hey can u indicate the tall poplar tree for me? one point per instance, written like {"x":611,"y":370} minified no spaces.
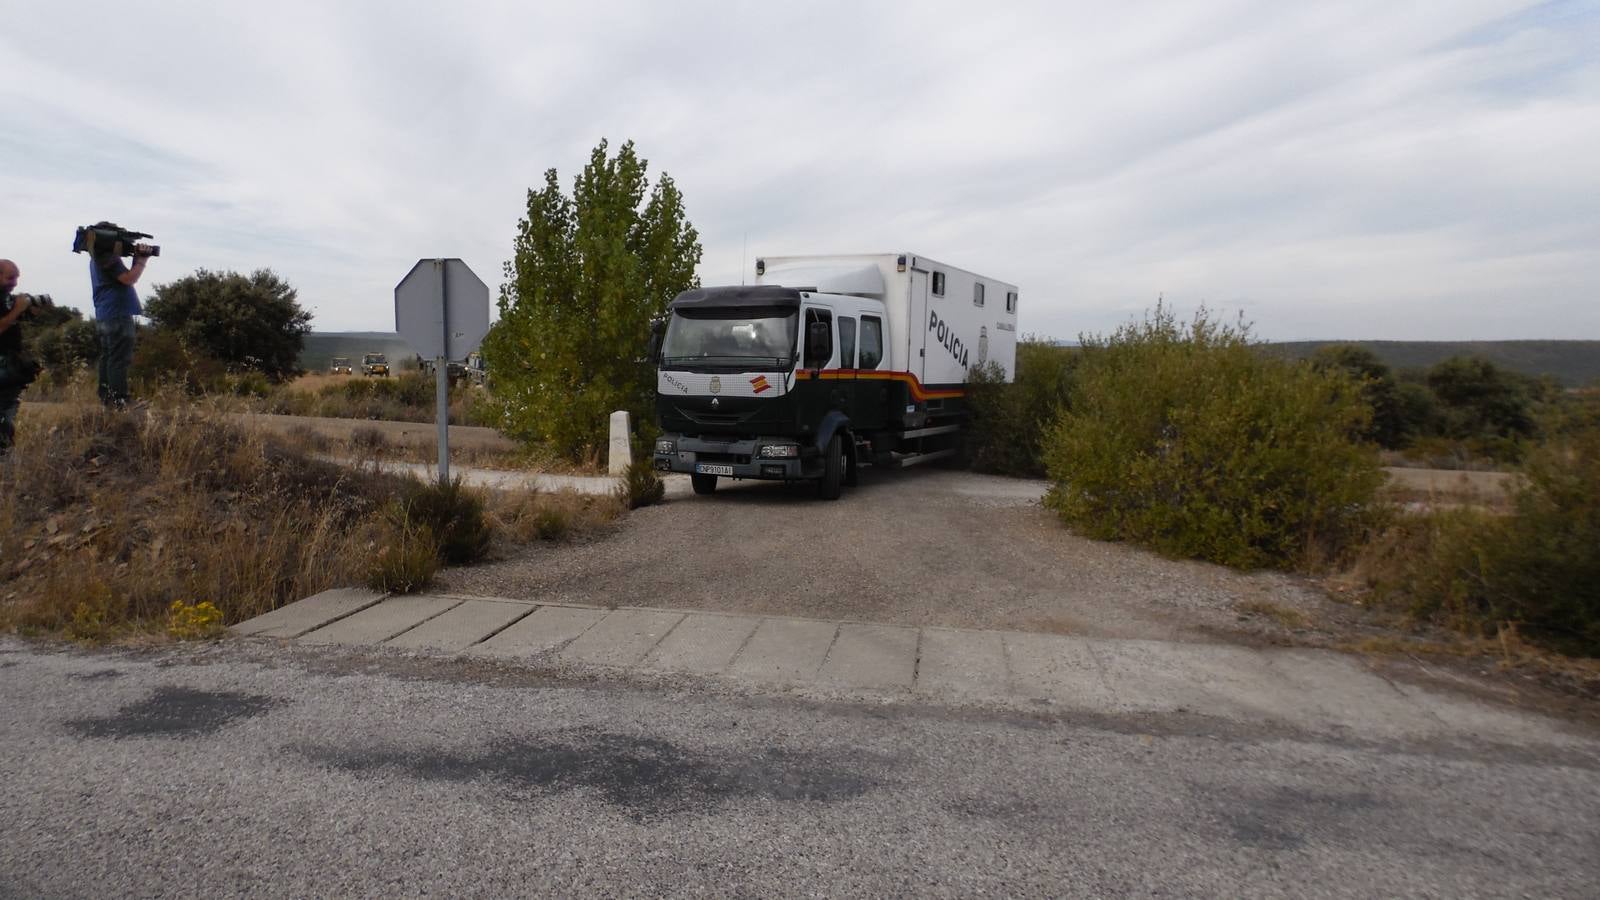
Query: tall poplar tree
{"x":590,"y":271}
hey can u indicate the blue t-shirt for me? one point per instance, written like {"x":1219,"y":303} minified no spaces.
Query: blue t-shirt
{"x":112,"y":298}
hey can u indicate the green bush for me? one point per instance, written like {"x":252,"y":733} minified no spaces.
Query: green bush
{"x":1186,"y":439}
{"x":1008,"y":420}
{"x":160,"y":357}
{"x":454,"y":515}
{"x":641,"y":486}
{"x":1535,"y":570}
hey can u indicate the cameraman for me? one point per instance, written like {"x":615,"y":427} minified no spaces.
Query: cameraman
{"x":115,"y":305}
{"x":16,"y":370}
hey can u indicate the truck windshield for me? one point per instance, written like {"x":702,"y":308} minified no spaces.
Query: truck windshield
{"x":730,"y":340}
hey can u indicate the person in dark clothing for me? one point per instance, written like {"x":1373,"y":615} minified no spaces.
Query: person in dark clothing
{"x":115,"y":305}
{"x":15,"y":370}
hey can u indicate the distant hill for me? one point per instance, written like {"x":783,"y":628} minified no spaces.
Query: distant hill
{"x":1573,"y":363}
{"x":322,"y":346}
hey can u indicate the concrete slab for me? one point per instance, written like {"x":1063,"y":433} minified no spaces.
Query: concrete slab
{"x":303,"y":616}
{"x":463,"y":626}
{"x":871,"y":657}
{"x":1056,"y":669}
{"x":1340,"y":692}
{"x":376,"y":624}
{"x":1154,"y":676}
{"x":546,"y":628}
{"x":622,"y":638}
{"x":968,"y":664}
{"x":702,"y":643}
{"x":784,"y":650}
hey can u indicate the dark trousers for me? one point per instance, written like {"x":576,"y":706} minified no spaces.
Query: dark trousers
{"x":10,"y":400}
{"x":116,"y":355}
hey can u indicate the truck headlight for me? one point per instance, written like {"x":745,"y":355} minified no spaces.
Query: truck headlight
{"x":779,"y":451}
{"x":664,"y":447}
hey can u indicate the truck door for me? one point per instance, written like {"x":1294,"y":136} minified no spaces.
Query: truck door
{"x":848,"y":388}
{"x":871,"y":410}
{"x":917,"y":328}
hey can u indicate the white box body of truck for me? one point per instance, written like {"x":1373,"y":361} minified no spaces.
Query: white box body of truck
{"x":944,"y":321}
{"x":825,"y":363}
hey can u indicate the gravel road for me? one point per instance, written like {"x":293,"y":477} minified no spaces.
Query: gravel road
{"x":910,"y":547}
{"x":264,"y":770}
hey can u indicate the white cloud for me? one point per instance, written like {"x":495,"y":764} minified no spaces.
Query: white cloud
{"x":1335,"y":170}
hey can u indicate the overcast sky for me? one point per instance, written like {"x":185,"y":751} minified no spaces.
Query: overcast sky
{"x":1334,"y":170}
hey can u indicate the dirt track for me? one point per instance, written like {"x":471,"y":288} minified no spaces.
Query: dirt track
{"x":914,"y":547}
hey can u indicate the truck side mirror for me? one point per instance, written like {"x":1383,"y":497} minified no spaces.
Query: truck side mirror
{"x":819,"y":344}
{"x":658,"y":327}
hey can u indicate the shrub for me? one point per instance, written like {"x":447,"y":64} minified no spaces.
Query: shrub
{"x":640,"y":486}
{"x":453,"y":514}
{"x":369,"y":442}
{"x":192,"y":622}
{"x":529,"y":515}
{"x":1008,"y":420}
{"x":1535,"y":571}
{"x":248,"y":384}
{"x":160,"y":357}
{"x":407,"y":558}
{"x":1186,"y":439}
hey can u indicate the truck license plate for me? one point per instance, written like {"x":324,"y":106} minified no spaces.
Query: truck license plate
{"x":708,"y":469}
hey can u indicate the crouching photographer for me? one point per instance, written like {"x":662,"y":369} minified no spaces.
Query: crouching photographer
{"x":115,"y":300}
{"x":17,"y":368}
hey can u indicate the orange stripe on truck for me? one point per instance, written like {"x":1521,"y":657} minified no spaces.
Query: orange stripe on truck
{"x":918,"y":392}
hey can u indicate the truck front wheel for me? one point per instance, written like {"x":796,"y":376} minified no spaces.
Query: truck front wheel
{"x":833,"y":465}
{"x":703,"y":484}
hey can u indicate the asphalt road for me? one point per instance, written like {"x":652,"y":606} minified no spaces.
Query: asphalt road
{"x":265,"y":770}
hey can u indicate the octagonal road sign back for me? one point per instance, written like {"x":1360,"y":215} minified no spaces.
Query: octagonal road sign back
{"x":442,"y":309}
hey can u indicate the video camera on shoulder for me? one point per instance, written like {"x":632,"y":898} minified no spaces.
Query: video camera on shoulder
{"x":109,"y":239}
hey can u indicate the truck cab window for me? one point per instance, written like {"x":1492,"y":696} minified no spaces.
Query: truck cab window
{"x":818,"y":356}
{"x":871,"y":342}
{"x":847,"y":343}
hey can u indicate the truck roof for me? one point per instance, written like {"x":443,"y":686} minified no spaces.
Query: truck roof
{"x":755,"y":296}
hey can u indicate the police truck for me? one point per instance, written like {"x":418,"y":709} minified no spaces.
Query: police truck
{"x":825,"y":364}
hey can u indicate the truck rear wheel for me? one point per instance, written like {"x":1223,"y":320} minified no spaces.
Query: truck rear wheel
{"x":833,"y":465}
{"x":703,"y":484}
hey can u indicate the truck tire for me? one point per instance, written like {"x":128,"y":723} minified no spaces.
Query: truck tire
{"x":703,"y":484}
{"x":833,"y":464}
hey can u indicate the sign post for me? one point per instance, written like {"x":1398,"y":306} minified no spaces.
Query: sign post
{"x":442,"y":310}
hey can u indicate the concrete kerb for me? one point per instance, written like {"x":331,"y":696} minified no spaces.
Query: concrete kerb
{"x":1316,"y":690}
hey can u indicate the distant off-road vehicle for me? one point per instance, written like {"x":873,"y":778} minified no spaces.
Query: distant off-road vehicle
{"x":340,"y":366}
{"x":375,"y":364}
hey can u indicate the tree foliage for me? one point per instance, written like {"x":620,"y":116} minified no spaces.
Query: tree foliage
{"x":589,"y":273}
{"x":59,"y":337}
{"x":1389,"y":428}
{"x":246,"y":322}
{"x":1482,"y":398}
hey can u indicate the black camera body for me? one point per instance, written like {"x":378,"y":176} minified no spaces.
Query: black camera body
{"x":37,"y":303}
{"x":110,"y":239}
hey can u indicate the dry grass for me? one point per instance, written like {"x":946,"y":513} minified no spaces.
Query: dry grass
{"x":1288,"y":617}
{"x":106,"y":519}
{"x":1445,"y":489}
{"x":1505,"y":651}
{"x":528,"y":515}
